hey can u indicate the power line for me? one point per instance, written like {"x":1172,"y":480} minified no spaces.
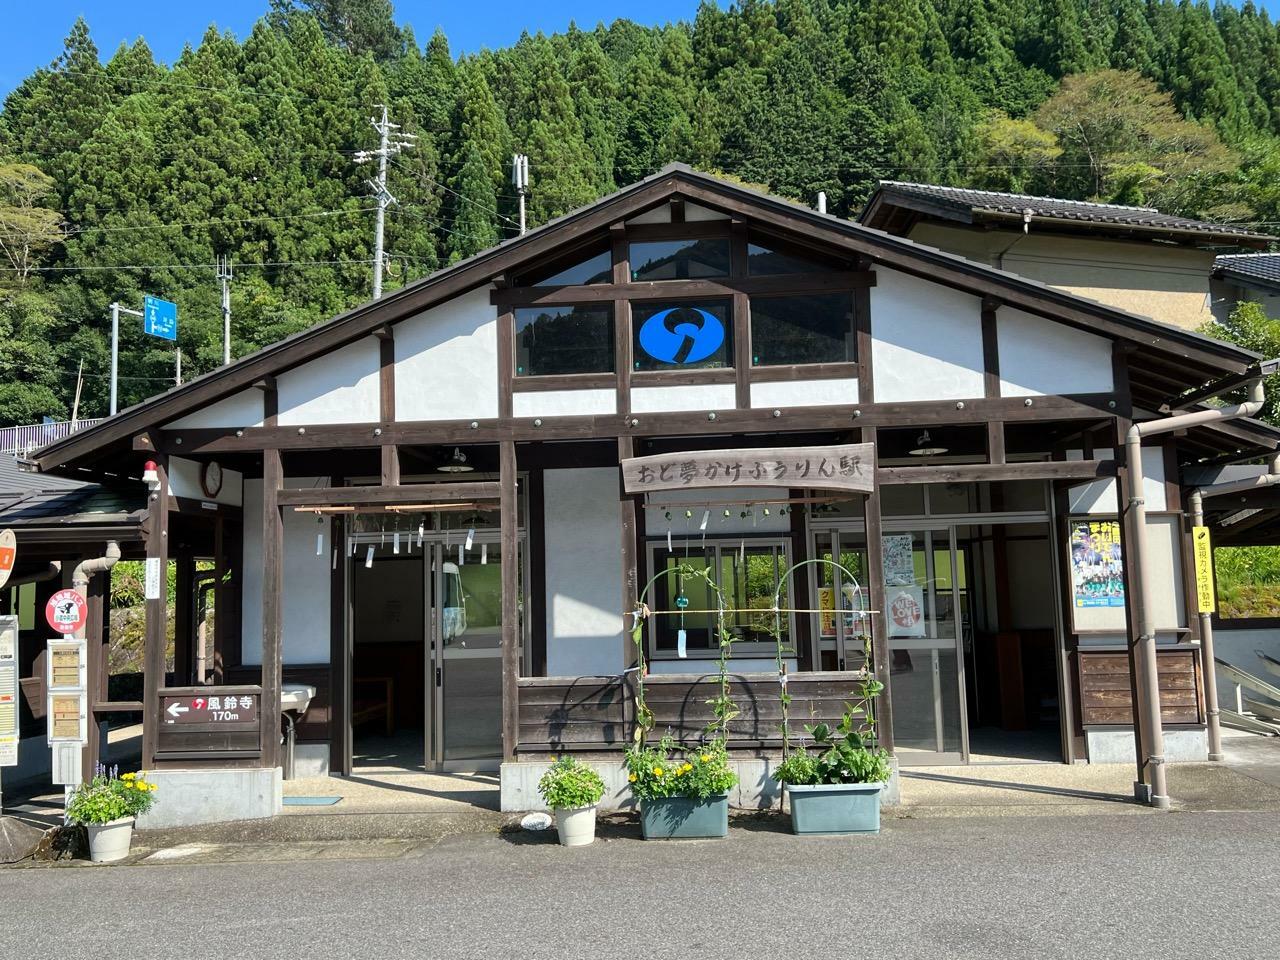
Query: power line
{"x":491,"y":210}
{"x":389,"y":143}
{"x":80,"y":231}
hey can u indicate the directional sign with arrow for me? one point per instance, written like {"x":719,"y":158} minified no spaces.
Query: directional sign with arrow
{"x":210,"y":709}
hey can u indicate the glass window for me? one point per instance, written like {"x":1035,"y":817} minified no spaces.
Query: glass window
{"x":747,"y":574}
{"x":680,"y":259}
{"x":562,"y":340}
{"x":577,"y":268}
{"x":812,"y":328}
{"x":685,"y":335}
{"x":765,"y":261}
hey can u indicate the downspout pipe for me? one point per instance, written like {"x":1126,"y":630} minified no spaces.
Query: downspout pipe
{"x":85,"y":569}
{"x":53,"y":570}
{"x":1156,"y":781}
{"x":1208,"y":667}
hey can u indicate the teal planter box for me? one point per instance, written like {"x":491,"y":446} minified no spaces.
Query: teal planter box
{"x":835,"y":808}
{"x":682,"y":818}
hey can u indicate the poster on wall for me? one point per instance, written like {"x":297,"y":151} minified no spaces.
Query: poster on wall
{"x":905,"y":608}
{"x":1097,"y":564}
{"x":899,"y":560}
{"x":855,"y":620}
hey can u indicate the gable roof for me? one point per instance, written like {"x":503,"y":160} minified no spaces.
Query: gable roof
{"x":1251,"y":269}
{"x":1192,"y":358}
{"x":37,"y":500}
{"x":988,"y":206}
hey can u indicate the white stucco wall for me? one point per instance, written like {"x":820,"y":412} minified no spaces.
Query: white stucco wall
{"x":926,"y":340}
{"x":1039,"y":357}
{"x":1099,"y":496}
{"x":583,"y":571}
{"x":337,"y":387}
{"x":184,"y":481}
{"x":709,"y":396}
{"x":447,"y":361}
{"x":564,"y":403}
{"x":243,"y":409}
{"x":306,"y":582}
{"x":804,"y":393}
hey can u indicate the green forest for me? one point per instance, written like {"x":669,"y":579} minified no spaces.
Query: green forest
{"x":121,"y":176}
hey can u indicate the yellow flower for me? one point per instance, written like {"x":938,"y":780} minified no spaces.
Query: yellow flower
{"x":127,"y":776}
{"x":706,"y":758}
{"x":632,"y":778}
{"x":152,"y":787}
{"x":657,"y":771}
{"x":688,"y":767}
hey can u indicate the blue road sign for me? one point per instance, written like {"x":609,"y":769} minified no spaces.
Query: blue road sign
{"x":160,"y":318}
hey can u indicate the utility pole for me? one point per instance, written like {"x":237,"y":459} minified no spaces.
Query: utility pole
{"x":389,"y":144}
{"x":224,"y":277}
{"x":75,"y":406}
{"x":520,"y":180}
{"x":116,"y":310}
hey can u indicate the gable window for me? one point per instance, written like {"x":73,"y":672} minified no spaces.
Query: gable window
{"x":577,"y":269}
{"x":554,"y":341}
{"x":764,"y":261}
{"x":690,"y":335}
{"x":680,"y":259}
{"x":747,"y":573}
{"x":802,"y":328}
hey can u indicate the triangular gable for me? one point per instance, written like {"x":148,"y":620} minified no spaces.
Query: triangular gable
{"x":1194,"y":357}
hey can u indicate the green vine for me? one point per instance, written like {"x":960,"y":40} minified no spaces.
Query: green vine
{"x":723,"y":707}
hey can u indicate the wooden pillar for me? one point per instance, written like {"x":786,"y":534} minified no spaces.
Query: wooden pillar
{"x":805,"y":641}
{"x":183,"y":620}
{"x":157,"y":607}
{"x":741,"y":317}
{"x":272,"y":608}
{"x":510,"y":597}
{"x":387,"y":403}
{"x":876,"y":594}
{"x":630,"y":566}
{"x":221,"y":600}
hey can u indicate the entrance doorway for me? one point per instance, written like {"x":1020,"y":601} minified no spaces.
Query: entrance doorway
{"x":972,"y":610}
{"x":426,"y":653}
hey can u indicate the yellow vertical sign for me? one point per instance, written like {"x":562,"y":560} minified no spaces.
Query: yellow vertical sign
{"x":1204,"y":569}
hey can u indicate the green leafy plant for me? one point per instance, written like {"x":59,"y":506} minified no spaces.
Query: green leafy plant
{"x":107,"y":797}
{"x":843,"y":755}
{"x":570,"y":785}
{"x":667,"y":770}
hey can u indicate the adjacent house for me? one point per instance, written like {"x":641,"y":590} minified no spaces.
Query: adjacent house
{"x":1133,"y":258}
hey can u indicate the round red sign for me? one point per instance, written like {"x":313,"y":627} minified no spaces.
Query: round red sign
{"x":65,"y":611}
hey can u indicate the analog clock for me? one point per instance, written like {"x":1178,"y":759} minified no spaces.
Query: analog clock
{"x":211,"y":478}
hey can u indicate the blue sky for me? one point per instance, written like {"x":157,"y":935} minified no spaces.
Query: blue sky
{"x":34,"y":29}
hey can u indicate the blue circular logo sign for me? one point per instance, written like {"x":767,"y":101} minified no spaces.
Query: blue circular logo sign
{"x":681,"y":335}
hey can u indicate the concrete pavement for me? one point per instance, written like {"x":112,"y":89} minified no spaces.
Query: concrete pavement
{"x":1201,"y":885}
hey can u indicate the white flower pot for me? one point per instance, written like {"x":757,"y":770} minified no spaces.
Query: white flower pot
{"x":110,"y":841}
{"x":577,"y":826}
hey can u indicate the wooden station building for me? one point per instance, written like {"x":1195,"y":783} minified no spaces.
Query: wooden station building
{"x":417,"y":507}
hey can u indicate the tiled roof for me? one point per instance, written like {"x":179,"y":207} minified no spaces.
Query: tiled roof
{"x":1258,"y":268}
{"x":31,"y":499}
{"x":971,"y":202}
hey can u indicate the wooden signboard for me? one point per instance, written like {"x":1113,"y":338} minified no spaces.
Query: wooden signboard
{"x":848,"y":467}
{"x":213,"y":708}
{"x":8,"y":691}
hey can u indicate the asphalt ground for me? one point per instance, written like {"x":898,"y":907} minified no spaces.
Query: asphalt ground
{"x":1166,"y":885}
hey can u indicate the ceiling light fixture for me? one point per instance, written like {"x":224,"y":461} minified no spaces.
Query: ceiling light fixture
{"x":925,"y":447}
{"x":457,"y":463}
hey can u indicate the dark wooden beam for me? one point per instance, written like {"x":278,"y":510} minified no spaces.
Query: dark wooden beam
{"x":376,"y":496}
{"x":272,"y":606}
{"x":387,"y":401}
{"x":832,"y":281}
{"x":157,"y":611}
{"x":984,"y":472}
{"x":622,"y":340}
{"x":609,"y":426}
{"x":862,"y":330}
{"x":510,"y":600}
{"x":630,"y":550}
{"x":741,"y":315}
